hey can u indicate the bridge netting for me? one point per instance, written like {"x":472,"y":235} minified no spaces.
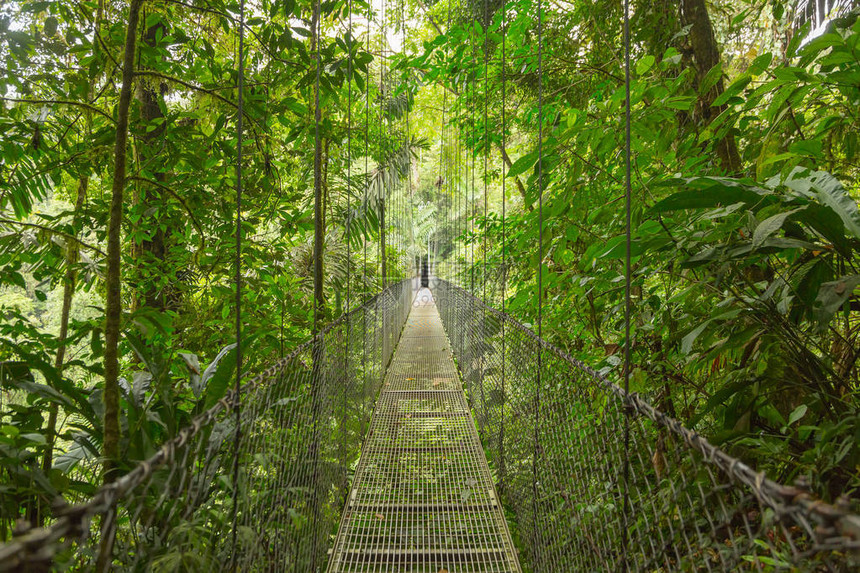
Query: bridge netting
{"x":590,"y":478}
{"x":600,"y":480}
{"x":302,"y":423}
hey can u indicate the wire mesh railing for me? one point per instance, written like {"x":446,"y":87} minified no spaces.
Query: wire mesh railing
{"x":302,"y":422}
{"x":554,"y":430}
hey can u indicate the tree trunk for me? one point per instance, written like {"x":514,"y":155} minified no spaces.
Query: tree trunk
{"x":516,"y":179}
{"x":319,"y":209}
{"x":113,"y":305}
{"x":149,"y":94}
{"x":70,"y":276}
{"x":694,"y":13}
{"x":69,"y":280}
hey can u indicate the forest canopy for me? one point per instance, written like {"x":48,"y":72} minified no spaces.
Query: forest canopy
{"x":118,"y":207}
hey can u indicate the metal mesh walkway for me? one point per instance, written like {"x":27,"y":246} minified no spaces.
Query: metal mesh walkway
{"x":423,"y":499}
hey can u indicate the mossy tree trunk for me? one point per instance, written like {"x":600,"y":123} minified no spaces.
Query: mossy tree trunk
{"x":706,"y":52}
{"x":113,"y":280}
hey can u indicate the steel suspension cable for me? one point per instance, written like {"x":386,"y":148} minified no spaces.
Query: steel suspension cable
{"x":402,"y":216}
{"x":348,"y":337}
{"x":627,"y":280}
{"x":407,"y":200}
{"x":458,"y":206}
{"x":462,"y":166}
{"x":472,"y":169}
{"x":365,"y":214}
{"x":383,"y":183}
{"x":441,"y":183}
{"x":399,"y":199}
{"x":463,"y":196}
{"x":349,"y":154}
{"x":397,"y":205}
{"x":448,"y":194}
{"x":318,"y":274}
{"x":367,"y":149}
{"x":486,"y":28}
{"x":504,"y":242}
{"x":237,"y":436}
{"x":539,"y":269}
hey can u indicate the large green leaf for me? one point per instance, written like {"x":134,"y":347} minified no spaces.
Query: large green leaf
{"x":831,"y":296}
{"x":829,"y":191}
{"x":709,"y":192}
{"x":690,"y":337}
{"x":737,"y":86}
{"x":14,"y":371}
{"x":218,"y":380}
{"x":827,"y":224}
{"x":522,"y":164}
{"x":770,"y":226}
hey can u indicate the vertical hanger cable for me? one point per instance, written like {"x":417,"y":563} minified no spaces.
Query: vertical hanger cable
{"x":627,"y":280}
{"x":472,"y":130}
{"x":441,"y":182}
{"x":237,"y":396}
{"x":539,"y":274}
{"x":486,"y":133}
{"x":504,"y":268}
{"x":349,"y":156}
{"x":316,"y":382}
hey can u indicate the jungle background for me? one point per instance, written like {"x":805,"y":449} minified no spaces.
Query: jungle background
{"x":116,"y":293}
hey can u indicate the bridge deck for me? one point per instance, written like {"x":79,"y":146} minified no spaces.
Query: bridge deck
{"x":423,"y":499}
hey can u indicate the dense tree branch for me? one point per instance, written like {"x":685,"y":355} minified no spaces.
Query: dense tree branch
{"x":66,"y":236}
{"x":234,"y":21}
{"x":176,"y":196}
{"x":59,"y":102}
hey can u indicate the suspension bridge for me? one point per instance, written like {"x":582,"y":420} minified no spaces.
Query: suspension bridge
{"x":426,"y":431}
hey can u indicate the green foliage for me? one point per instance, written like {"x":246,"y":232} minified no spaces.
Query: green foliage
{"x":746,"y":289}
{"x":745,"y":286}
{"x":59,"y":89}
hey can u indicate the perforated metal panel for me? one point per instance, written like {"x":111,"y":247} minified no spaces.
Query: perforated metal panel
{"x":423,"y":499}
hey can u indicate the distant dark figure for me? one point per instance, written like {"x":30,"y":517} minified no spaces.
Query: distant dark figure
{"x":425,"y":274}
